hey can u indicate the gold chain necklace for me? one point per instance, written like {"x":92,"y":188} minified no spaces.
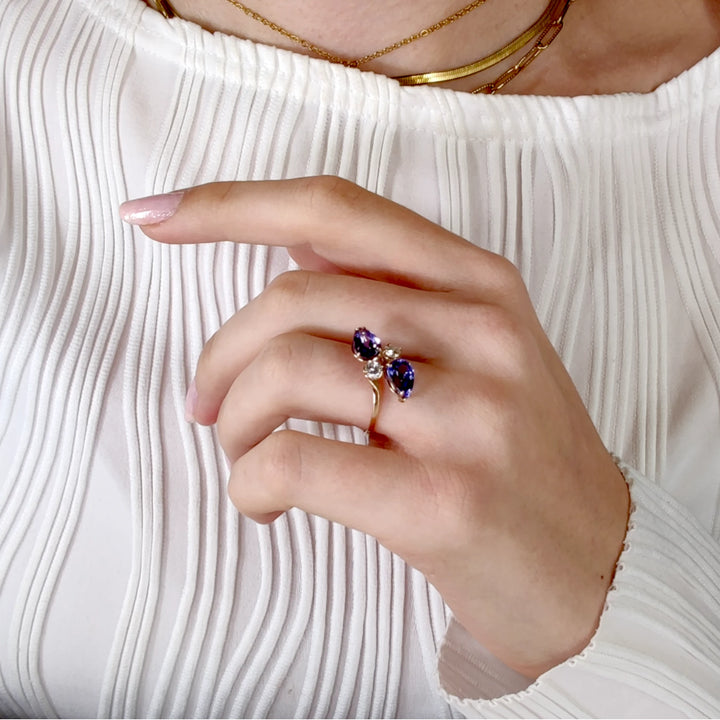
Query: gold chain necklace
{"x":543,"y":42}
{"x":357,"y":62}
{"x":166,"y":8}
{"x":546,"y":28}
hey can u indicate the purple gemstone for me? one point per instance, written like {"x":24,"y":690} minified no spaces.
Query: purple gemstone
{"x":401,"y":378}
{"x":365,"y":345}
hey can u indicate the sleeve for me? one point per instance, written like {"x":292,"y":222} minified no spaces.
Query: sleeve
{"x":656,"y":651}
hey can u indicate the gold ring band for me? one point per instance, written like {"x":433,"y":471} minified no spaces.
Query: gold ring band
{"x":375,"y":385}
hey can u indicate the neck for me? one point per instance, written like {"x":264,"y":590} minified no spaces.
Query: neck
{"x":608,"y":46}
{"x":355,"y":28}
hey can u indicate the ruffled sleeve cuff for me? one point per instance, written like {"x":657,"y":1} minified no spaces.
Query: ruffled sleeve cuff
{"x":656,"y":652}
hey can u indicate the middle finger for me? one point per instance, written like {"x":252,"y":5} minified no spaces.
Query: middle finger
{"x":329,"y":306}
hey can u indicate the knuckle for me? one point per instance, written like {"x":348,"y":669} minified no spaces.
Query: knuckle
{"x":502,"y":324}
{"x":503,"y":345}
{"x":329,"y":194}
{"x":278,"y":359}
{"x":506,"y":273}
{"x":501,"y":278}
{"x":281,"y":466}
{"x":507,"y":334}
{"x":262,"y":480}
{"x":287,"y":290}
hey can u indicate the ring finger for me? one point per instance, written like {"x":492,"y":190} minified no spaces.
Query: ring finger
{"x":325,"y":305}
{"x":300,"y":376}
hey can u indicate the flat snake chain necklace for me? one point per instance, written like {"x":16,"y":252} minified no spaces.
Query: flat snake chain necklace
{"x":543,"y":31}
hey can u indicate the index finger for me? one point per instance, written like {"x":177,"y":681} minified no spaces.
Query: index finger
{"x":350,"y":227}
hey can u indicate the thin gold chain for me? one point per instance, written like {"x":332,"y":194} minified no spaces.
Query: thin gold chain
{"x":357,"y":62}
{"x":543,"y":42}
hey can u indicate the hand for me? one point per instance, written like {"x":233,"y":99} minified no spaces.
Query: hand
{"x":491,"y":479}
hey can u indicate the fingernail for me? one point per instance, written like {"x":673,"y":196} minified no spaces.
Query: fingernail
{"x":191,"y":402}
{"x":151,"y":210}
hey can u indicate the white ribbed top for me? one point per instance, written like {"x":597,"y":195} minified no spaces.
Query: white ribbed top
{"x":128,"y":584}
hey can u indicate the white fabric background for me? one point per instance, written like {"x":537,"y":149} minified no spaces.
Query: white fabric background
{"x":128,"y":585}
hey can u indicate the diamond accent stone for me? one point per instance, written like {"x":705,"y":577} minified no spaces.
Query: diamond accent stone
{"x":365,"y":345}
{"x":373,"y":369}
{"x":400,"y":377}
{"x":390,"y":353}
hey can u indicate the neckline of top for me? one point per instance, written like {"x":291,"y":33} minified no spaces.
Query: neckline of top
{"x":301,"y":75}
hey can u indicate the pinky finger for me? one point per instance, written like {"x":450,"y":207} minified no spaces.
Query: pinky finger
{"x":363,"y":487}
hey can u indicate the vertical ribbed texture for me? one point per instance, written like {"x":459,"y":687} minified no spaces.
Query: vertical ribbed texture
{"x":696,"y":220}
{"x":74,"y":314}
{"x":293,"y":596}
{"x":609,"y":207}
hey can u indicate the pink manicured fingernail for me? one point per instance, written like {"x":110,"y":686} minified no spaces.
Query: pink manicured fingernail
{"x":151,"y":210}
{"x":191,"y":402}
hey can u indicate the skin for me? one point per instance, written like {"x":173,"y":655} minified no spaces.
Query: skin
{"x":607,"y":46}
{"x":491,"y":479}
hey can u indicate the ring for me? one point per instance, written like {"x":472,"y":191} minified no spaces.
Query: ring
{"x":382,"y":360}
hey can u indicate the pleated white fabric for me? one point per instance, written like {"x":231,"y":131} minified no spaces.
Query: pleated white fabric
{"x":128,"y":584}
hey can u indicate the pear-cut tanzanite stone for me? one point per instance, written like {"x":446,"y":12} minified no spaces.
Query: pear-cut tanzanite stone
{"x":365,"y":345}
{"x":401,"y":378}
